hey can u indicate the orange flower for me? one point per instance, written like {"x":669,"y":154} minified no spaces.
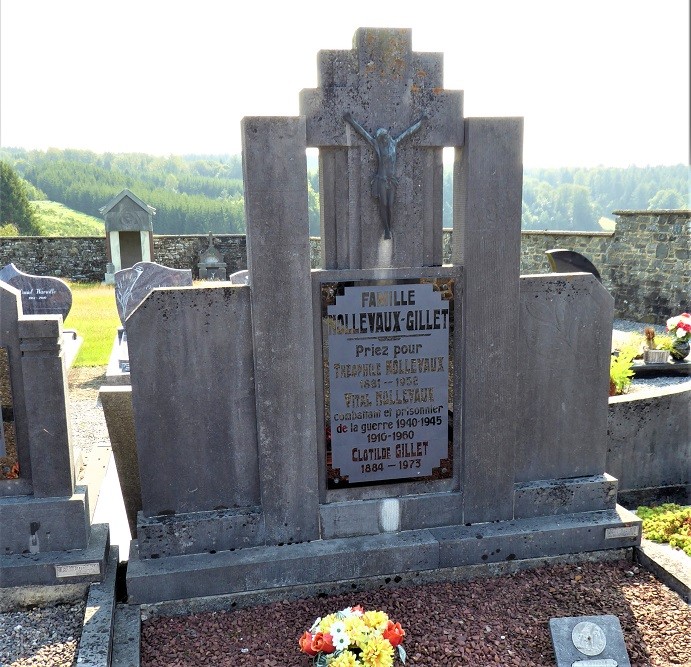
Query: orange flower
{"x":323,"y":643}
{"x":306,"y":645}
{"x":394,"y":633}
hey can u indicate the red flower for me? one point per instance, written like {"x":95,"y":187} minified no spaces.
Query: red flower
{"x":306,"y":644}
{"x":394,"y":633}
{"x":323,"y":643}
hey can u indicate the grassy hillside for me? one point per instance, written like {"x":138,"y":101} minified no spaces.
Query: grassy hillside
{"x":54,"y":219}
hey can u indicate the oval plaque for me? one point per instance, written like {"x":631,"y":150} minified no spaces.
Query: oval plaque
{"x":588,"y":638}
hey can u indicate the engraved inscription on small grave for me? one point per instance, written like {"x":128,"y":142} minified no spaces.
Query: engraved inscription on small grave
{"x":9,"y":463}
{"x":387,"y":376}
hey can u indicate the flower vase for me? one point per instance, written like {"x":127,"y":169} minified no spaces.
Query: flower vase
{"x":680,"y":350}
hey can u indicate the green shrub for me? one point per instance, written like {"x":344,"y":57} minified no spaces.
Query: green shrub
{"x":620,"y":366}
{"x":667,"y":523}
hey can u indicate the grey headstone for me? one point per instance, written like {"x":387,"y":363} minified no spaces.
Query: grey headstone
{"x":41,"y":295}
{"x":588,"y":641}
{"x":133,"y":284}
{"x":564,"y":344}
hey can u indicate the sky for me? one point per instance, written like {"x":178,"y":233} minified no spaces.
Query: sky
{"x":599,"y":82}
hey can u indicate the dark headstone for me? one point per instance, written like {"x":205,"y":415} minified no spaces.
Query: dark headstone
{"x":41,"y":295}
{"x":588,"y":641}
{"x":568,"y":261}
{"x":133,"y":284}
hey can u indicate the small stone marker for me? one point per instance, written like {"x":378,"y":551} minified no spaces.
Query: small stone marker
{"x":211,"y":265}
{"x":588,"y":641}
{"x":134,"y":284}
{"x":41,"y":295}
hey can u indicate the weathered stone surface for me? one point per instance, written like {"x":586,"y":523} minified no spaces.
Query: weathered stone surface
{"x":284,"y":372}
{"x":649,"y":444}
{"x":564,"y":345}
{"x":194,"y":399}
{"x":41,"y":295}
{"x":488,"y":176}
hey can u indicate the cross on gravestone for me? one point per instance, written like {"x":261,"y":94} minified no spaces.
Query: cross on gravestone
{"x":387,"y":87}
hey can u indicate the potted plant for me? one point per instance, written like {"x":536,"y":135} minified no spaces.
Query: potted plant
{"x":651,"y":354}
{"x":680,"y":328}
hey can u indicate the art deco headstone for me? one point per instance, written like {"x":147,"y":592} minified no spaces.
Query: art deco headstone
{"x":41,"y":295}
{"x":588,"y":641}
{"x":132,"y":285}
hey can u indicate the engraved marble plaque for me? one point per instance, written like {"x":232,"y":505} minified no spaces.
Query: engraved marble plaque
{"x":623,"y":531}
{"x":589,"y":641}
{"x":386,"y":353}
{"x":77,"y":570}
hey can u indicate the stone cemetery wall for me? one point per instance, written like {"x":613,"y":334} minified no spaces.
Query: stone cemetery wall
{"x":644,"y":263}
{"x":76,"y":258}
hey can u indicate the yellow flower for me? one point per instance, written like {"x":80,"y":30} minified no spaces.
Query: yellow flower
{"x":344,"y":659}
{"x":354,"y":625}
{"x":326,"y":622}
{"x":376,"y":619}
{"x":377,"y":653}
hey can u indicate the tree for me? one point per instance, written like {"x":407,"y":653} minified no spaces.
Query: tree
{"x":666,"y":199}
{"x":15,"y":208}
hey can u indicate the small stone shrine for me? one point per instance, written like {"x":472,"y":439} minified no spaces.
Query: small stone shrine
{"x":46,"y":536}
{"x":386,"y":414}
{"x":211,"y":265}
{"x":129,"y":232}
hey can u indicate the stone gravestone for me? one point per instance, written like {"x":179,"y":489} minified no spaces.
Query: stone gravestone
{"x":41,"y":295}
{"x":133,"y":284}
{"x":46,"y":537}
{"x":323,"y":438}
{"x":588,"y":641}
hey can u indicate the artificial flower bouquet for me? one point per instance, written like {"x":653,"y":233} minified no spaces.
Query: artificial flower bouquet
{"x":680,"y":327}
{"x":354,"y":637}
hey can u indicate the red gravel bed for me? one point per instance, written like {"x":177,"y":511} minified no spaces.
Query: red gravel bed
{"x":497,"y":621}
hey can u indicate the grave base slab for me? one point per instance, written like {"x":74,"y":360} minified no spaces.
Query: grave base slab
{"x":77,"y":566}
{"x":322,"y":561}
